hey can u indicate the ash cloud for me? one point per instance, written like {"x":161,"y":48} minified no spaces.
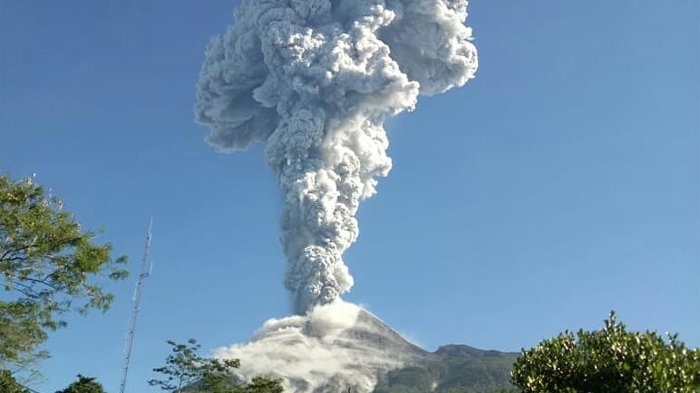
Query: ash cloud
{"x":314,"y":81}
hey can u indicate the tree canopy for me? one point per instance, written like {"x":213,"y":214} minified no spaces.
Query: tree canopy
{"x":186,"y":370}
{"x":83,"y":385}
{"x":49,"y":266}
{"x":8,"y":384}
{"x":610,"y":360}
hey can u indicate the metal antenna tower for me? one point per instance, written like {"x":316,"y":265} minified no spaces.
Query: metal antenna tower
{"x":145,"y":272}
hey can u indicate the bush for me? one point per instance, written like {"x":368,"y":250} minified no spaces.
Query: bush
{"x":611,"y":360}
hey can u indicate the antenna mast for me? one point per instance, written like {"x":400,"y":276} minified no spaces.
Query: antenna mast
{"x":145,"y":272}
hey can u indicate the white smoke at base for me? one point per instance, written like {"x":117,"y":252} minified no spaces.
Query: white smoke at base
{"x":314,"y":80}
{"x":334,"y":347}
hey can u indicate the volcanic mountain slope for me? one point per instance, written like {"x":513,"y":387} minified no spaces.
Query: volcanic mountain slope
{"x":453,"y":369}
{"x":450,"y":369}
{"x":343,"y":348}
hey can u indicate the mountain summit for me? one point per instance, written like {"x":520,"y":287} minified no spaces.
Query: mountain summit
{"x":343,"y":348}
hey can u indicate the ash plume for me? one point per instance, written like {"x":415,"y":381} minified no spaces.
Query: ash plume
{"x":314,"y":81}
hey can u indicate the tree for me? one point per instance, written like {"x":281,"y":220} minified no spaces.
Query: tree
{"x":263,"y":385}
{"x":184,"y":367}
{"x":83,"y":385}
{"x":48,"y":267}
{"x":187,"y":371}
{"x":610,"y":360}
{"x":8,"y":384}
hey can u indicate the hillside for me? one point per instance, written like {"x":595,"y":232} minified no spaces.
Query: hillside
{"x":344,"y":348}
{"x":453,"y":369}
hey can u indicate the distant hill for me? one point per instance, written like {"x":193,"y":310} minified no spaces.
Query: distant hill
{"x":453,"y":369}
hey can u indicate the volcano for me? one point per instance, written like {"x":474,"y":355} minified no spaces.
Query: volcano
{"x":342,"y":347}
{"x":314,"y":81}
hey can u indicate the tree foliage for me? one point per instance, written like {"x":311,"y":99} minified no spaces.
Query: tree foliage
{"x":83,"y":385}
{"x":611,"y":360}
{"x":184,"y":367}
{"x":262,"y":385}
{"x":48,"y":267}
{"x":186,"y":370}
{"x":8,"y":384}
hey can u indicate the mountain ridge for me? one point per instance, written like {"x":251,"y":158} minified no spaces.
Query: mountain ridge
{"x":452,"y":368}
{"x":343,"y":348}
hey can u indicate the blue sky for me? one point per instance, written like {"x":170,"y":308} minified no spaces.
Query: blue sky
{"x":561,"y":183}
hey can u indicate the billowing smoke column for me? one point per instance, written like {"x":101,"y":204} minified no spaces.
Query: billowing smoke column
{"x":314,"y":80}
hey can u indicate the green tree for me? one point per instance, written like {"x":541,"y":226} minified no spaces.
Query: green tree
{"x":83,"y":385}
{"x":186,"y":370}
{"x":263,"y":385}
{"x":610,"y":360}
{"x":48,"y":267}
{"x":8,"y":384}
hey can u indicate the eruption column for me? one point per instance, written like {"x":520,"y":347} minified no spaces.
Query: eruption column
{"x":314,"y":80}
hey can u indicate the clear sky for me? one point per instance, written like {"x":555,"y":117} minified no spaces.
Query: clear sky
{"x":561,"y":183}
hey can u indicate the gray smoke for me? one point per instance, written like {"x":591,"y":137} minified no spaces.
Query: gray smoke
{"x":314,"y":80}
